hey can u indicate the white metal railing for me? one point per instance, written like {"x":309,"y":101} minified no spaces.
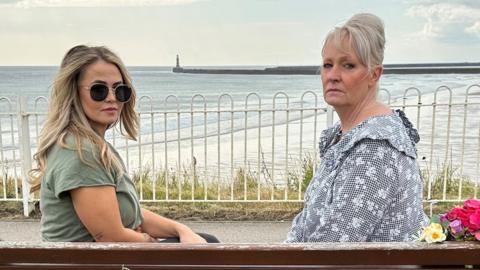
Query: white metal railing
{"x":253,"y":150}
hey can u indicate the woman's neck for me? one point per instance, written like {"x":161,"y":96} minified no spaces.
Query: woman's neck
{"x":352,"y":116}
{"x":99,"y":129}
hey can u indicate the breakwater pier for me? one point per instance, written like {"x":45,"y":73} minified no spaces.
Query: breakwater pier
{"x":426,"y":68}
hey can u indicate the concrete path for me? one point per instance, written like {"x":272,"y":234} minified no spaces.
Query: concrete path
{"x":226,"y":232}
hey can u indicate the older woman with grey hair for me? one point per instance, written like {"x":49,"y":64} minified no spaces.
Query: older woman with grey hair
{"x":368,"y":185}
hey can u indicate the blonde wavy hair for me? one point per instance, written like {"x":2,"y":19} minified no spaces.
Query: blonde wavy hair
{"x":66,"y":116}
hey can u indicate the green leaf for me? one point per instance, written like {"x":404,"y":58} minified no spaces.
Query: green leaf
{"x":435,"y":219}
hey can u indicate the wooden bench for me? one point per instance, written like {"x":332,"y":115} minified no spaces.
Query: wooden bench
{"x":24,"y":255}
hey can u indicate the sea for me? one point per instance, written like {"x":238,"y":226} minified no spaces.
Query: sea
{"x":158,"y":88}
{"x":160,"y":82}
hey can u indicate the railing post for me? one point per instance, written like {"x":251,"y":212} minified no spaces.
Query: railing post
{"x":329,"y":116}
{"x":25,"y":152}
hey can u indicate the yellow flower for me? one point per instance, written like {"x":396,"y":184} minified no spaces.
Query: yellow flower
{"x":436,"y":226}
{"x":433,"y":233}
{"x":435,"y":236}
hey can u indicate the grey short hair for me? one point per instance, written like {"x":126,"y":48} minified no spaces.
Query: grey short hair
{"x":366,"y":35}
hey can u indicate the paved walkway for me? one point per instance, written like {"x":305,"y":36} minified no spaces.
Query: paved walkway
{"x":227,"y":232}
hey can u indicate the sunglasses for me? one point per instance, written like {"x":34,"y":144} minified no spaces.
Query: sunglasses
{"x":99,"y":92}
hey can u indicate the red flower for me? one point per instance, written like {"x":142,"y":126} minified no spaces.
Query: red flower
{"x":460,"y":214}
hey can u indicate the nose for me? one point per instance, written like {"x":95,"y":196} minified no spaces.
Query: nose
{"x":333,"y":74}
{"x":111,"y":95}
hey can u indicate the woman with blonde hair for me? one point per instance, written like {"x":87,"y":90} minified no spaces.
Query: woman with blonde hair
{"x":85,"y":192}
{"x":368,"y":185}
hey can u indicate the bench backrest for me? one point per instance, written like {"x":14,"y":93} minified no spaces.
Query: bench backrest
{"x":16,"y":255}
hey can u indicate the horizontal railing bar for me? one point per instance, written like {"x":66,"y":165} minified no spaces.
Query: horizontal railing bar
{"x":234,"y":110}
{"x":436,"y":104}
{"x":238,"y":200}
{"x":324,"y":109}
{"x":222,"y":201}
{"x":444,"y":201}
{"x":279,"y":200}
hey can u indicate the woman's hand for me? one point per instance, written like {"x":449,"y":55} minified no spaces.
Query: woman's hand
{"x":187,"y":236}
{"x":160,"y":227}
{"x":149,"y":238}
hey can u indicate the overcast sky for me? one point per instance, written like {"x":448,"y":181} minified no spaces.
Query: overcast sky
{"x":231,"y":32}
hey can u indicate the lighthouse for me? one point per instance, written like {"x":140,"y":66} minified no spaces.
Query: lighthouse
{"x":177,"y":67}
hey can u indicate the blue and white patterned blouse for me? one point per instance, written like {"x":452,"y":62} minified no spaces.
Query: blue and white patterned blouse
{"x":367,"y":187}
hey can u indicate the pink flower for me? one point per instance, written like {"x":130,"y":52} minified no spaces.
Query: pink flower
{"x":477,"y":236}
{"x":475,"y":220}
{"x":471,"y":204}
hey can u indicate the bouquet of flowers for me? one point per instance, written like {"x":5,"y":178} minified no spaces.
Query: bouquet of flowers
{"x":459,"y":224}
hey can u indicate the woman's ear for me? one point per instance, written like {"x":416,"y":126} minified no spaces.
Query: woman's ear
{"x":375,"y":74}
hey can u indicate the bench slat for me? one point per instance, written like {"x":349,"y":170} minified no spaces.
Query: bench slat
{"x":236,"y":256}
{"x":216,"y":267}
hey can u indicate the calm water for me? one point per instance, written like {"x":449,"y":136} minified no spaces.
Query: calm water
{"x":159,"y":82}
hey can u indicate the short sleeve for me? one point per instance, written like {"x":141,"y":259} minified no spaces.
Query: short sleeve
{"x":69,"y":172}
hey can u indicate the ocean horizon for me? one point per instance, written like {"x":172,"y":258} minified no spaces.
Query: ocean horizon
{"x":158,"y":81}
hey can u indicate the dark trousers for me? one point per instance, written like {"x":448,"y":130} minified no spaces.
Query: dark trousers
{"x":208,"y":237}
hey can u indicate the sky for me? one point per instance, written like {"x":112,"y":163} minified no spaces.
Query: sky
{"x":231,"y":32}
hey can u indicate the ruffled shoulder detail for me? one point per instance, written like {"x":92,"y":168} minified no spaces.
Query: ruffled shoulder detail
{"x":394,"y":128}
{"x":411,"y":131}
{"x":326,"y":138}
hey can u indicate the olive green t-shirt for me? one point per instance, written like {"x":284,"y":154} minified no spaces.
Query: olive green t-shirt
{"x":64,"y":172}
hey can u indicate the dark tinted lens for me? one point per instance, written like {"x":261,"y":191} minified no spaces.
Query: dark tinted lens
{"x":123,"y":93}
{"x":99,"y":92}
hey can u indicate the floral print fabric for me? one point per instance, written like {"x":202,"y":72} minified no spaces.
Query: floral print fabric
{"x":367,"y":187}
